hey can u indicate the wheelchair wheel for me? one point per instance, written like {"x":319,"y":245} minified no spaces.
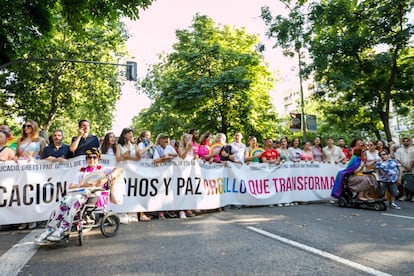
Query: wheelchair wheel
{"x":342,"y":202}
{"x":109,"y":225}
{"x":80,"y":236}
{"x":380,"y":206}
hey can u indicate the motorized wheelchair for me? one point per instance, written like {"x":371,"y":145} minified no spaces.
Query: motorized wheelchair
{"x":349,"y":198}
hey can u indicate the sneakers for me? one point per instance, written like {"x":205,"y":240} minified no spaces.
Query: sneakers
{"x":32,"y":225}
{"x":57,"y":235}
{"x":394,"y":206}
{"x":22,"y":226}
{"x":182,"y":215}
{"x":403,"y":198}
{"x":42,"y":237}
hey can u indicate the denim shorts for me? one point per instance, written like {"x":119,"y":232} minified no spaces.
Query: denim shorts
{"x":391,"y":187}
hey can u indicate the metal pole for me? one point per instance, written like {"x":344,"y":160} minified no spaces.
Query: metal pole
{"x":302,"y":102}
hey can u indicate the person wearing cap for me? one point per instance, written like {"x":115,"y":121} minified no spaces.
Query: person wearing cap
{"x":72,"y":202}
{"x":6,"y":153}
{"x":163,"y":151}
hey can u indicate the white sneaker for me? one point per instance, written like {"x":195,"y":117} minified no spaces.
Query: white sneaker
{"x":182,"y":215}
{"x":403,"y":198}
{"x":394,"y":206}
{"x":32,"y":225}
{"x":57,"y":235}
{"x":22,"y":226}
{"x":280,"y":205}
{"x":42,"y":237}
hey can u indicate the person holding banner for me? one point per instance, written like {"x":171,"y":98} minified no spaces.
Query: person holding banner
{"x":253,"y":151}
{"x":72,"y":202}
{"x":126,"y":150}
{"x":57,"y":150}
{"x":295,"y":151}
{"x":332,"y":153}
{"x":207,"y":151}
{"x":239,"y":148}
{"x":164,"y":152}
{"x":29,"y":147}
{"x":6,"y":153}
{"x":307,"y":154}
{"x":109,"y":144}
{"x":317,"y":149}
{"x":270,"y":155}
{"x":194,"y":138}
{"x":145,"y":145}
{"x":185,"y":148}
{"x":283,"y":150}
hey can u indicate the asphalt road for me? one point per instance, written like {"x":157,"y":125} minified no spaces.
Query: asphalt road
{"x":309,"y":239}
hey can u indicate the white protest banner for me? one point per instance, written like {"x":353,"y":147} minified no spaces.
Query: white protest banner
{"x":29,"y":191}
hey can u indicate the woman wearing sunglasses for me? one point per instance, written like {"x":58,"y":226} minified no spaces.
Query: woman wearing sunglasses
{"x":30,"y":145}
{"x":72,"y":202}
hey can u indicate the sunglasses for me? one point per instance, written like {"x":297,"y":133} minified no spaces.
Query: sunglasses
{"x":383,"y":154}
{"x":28,"y":126}
{"x":92,"y":157}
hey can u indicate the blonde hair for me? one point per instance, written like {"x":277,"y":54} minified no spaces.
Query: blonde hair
{"x":35,"y":131}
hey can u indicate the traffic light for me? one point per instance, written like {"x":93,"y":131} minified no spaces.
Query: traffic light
{"x":131,"y":71}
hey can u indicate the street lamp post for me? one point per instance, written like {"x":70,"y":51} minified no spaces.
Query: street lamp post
{"x":302,"y":102}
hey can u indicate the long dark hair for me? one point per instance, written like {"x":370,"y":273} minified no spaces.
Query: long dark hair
{"x":121,"y":140}
{"x":105,"y":144}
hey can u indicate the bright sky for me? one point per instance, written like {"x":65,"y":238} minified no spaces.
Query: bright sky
{"x":154,"y":33}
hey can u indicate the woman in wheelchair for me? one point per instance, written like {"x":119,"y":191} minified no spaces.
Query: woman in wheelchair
{"x":61,"y":220}
{"x":357,"y":181}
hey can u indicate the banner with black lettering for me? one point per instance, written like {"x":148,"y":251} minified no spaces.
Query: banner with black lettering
{"x":30,"y":190}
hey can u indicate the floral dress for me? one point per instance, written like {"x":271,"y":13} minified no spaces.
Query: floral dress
{"x":72,"y":203}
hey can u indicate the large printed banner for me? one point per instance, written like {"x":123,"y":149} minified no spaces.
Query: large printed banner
{"x":30,"y":190}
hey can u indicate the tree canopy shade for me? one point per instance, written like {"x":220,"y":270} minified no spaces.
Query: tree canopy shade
{"x":36,"y":34}
{"x":359,"y":58}
{"x":54,"y":94}
{"x":25,"y":20}
{"x":214,"y":80}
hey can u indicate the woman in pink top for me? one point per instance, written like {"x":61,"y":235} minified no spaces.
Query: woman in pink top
{"x":204,"y":147}
{"x":307,"y":154}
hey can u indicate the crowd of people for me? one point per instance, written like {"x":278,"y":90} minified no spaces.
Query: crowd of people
{"x":214,"y":148}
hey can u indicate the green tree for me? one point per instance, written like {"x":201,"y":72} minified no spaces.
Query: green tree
{"x":214,"y":79}
{"x":58,"y":94}
{"x":24,"y":21}
{"x":357,"y":50}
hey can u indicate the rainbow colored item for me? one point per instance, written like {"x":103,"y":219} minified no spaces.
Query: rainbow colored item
{"x":256,"y":152}
{"x":351,"y":167}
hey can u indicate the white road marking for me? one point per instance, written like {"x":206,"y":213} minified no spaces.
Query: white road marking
{"x":398,"y":216}
{"x":12,"y":261}
{"x":319,"y":252}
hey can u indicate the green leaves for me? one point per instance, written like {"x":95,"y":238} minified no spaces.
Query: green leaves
{"x":214,"y":80}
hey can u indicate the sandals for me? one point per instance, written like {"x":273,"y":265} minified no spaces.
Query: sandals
{"x":144,"y":218}
{"x":171,"y":214}
{"x":189,"y":213}
{"x":161,"y":216}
